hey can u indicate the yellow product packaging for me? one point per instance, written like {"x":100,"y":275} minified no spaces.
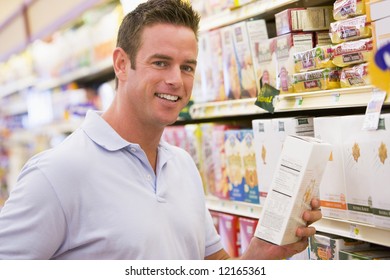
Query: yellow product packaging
{"x":350,"y":29}
{"x":356,"y":75}
{"x":313,"y":59}
{"x":354,"y":52}
{"x":328,"y":78}
{"x":343,"y":9}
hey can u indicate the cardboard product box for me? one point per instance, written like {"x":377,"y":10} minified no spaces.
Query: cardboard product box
{"x":242,"y":50}
{"x":358,"y":168}
{"x":332,"y":187}
{"x":208,"y":165}
{"x":216,"y":62}
{"x":247,"y":230}
{"x":381,"y":32}
{"x":269,"y":136}
{"x":210,"y":63}
{"x":380,"y":174}
{"x":230,"y":65}
{"x":267,"y":153}
{"x":218,"y":156}
{"x":251,"y":187}
{"x":259,"y":44}
{"x":230,"y":234}
{"x":286,"y":46}
{"x":265,"y":61}
{"x":324,"y":246}
{"x":374,"y":253}
{"x":322,"y":38}
{"x":377,"y":9}
{"x":193,"y":136}
{"x":303,"y":19}
{"x":295,"y":182}
{"x":234,"y":165}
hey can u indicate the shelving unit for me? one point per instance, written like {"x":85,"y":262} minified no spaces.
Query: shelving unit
{"x":351,"y":229}
{"x":317,"y":100}
{"x":327,"y":100}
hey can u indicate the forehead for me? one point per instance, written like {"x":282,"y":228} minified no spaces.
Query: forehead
{"x":168,"y":33}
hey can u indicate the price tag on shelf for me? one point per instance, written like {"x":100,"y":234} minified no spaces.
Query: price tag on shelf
{"x":336,"y":98}
{"x":354,"y":231}
{"x":298,"y":101}
{"x":373,"y":110}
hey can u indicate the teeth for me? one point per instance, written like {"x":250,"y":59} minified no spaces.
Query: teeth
{"x":167,"y":96}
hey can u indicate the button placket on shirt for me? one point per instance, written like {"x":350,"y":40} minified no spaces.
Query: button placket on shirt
{"x":149,"y":178}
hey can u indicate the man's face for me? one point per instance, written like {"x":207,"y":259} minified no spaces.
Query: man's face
{"x":160,"y":85}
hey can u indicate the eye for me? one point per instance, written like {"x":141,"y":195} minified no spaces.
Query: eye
{"x":160,"y":63}
{"x":188,"y":69}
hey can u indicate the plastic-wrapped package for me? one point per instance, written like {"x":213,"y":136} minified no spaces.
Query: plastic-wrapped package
{"x":313,"y":59}
{"x":343,"y":9}
{"x":328,"y":78}
{"x":354,"y":52}
{"x":356,"y":75}
{"x":350,"y":29}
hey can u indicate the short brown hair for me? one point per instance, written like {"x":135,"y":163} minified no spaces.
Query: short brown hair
{"x":177,"y":12}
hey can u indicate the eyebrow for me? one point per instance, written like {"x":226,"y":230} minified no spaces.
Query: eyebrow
{"x":166,"y":57}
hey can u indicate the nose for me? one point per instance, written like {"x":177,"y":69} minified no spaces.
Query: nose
{"x":174,"y":78}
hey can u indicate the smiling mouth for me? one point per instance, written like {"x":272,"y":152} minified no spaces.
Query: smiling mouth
{"x":168,"y":97}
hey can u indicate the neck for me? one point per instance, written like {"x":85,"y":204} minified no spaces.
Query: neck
{"x":148,"y":137}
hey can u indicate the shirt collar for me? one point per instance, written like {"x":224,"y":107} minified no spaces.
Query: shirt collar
{"x":102,"y":133}
{"x":105,"y":136}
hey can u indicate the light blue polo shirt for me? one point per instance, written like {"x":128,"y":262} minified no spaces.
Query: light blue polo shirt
{"x":95,"y":196}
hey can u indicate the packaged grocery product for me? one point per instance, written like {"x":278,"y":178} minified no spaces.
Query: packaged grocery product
{"x":327,"y":78}
{"x":313,"y":59}
{"x":343,"y":9}
{"x":354,"y":52}
{"x":296,"y":181}
{"x":356,"y":75}
{"x":350,"y":29}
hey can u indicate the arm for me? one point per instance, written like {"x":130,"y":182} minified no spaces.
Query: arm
{"x":262,"y":250}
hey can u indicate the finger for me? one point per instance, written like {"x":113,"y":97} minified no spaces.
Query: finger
{"x":315,"y":203}
{"x":305,"y":232}
{"x":311,"y":216}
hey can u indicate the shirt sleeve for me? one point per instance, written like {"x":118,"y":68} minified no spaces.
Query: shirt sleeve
{"x":213,"y":240}
{"x":32,"y":223}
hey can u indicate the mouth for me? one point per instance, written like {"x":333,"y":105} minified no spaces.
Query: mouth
{"x":168,"y":97}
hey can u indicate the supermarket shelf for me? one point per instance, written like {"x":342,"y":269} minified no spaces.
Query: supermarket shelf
{"x":79,"y":73}
{"x":233,"y":207}
{"x":351,"y":229}
{"x":336,"y":98}
{"x":225,"y":108}
{"x":354,"y":230}
{"x":325,"y":99}
{"x":249,"y":10}
{"x":17,"y":86}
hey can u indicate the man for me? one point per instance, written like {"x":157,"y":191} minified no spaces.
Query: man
{"x":113,"y":190}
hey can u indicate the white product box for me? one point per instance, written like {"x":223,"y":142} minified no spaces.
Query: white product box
{"x":295,"y":182}
{"x":267,"y":154}
{"x":381,"y":172}
{"x":358,"y":168}
{"x":269,"y":136}
{"x":261,"y":52}
{"x":324,"y":246}
{"x":332,"y":187}
{"x":242,"y":52}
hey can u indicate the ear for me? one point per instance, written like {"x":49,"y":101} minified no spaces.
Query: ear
{"x":121,"y":63}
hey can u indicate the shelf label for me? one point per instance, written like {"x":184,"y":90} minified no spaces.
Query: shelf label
{"x":354,"y":231}
{"x":298,"y":101}
{"x":373,"y":110}
{"x":336,"y":98}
